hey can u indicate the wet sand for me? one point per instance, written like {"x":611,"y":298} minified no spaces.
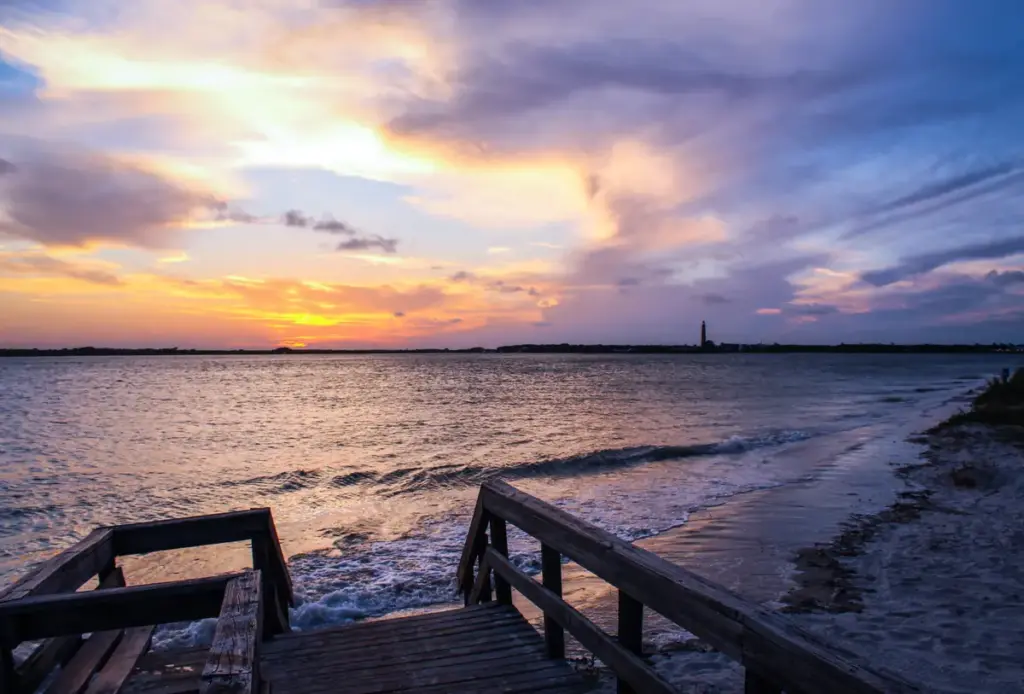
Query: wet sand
{"x":751,"y":544}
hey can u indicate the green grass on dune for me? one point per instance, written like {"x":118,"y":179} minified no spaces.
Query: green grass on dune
{"x":1000,"y":402}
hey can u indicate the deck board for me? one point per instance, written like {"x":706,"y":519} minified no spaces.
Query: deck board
{"x":485,"y":648}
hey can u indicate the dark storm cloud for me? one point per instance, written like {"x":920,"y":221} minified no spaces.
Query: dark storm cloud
{"x":68,"y":197}
{"x":921,"y":264}
{"x":1007,"y":278}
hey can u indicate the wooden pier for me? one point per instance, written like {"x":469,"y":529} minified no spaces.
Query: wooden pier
{"x":487,"y":646}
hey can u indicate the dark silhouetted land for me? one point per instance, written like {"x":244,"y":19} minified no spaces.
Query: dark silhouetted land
{"x":565,"y":348}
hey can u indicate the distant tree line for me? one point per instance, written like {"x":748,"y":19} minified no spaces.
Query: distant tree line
{"x":564,"y":348}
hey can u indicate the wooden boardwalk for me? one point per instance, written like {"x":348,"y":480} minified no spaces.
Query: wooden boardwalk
{"x":488,"y":648}
{"x":98,"y":641}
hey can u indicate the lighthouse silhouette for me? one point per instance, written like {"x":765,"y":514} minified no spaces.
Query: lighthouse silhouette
{"x":703,"y":335}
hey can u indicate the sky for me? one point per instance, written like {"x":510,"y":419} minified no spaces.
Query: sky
{"x":458,"y":173}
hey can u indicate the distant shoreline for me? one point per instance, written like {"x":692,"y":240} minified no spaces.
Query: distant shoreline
{"x":866,"y":348}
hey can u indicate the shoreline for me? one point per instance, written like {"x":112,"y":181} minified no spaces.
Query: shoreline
{"x":808,"y":549}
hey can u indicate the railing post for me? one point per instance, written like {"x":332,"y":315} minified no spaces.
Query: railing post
{"x":753,"y":683}
{"x":276,"y":609}
{"x":631,"y":630}
{"x":499,"y":540}
{"x":551,"y":566}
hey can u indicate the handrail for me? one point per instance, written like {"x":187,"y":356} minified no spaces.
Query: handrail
{"x":61,"y":614}
{"x":98,"y":552}
{"x":776,"y":654}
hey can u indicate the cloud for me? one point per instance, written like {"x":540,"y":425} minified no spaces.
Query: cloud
{"x":329,"y":225}
{"x":43,"y":265}
{"x":226,"y":213}
{"x":712,"y":299}
{"x":1006,"y":278}
{"x":364,"y":243}
{"x":294,"y":218}
{"x":462,"y":276}
{"x":924,"y":263}
{"x":333,"y":226}
{"x":6,"y":167}
{"x":69,"y":197}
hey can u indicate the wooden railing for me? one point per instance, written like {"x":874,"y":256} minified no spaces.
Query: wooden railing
{"x":44,"y":604}
{"x":777,"y":655}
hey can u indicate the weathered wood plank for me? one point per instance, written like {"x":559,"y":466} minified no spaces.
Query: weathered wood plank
{"x":284,"y":580}
{"x":337,"y":647}
{"x":134,"y":643}
{"x":407,"y":674}
{"x":53,"y":652}
{"x":499,"y":540}
{"x":390,"y":629}
{"x":59,"y":650}
{"x":482,"y":585}
{"x":74,"y":677}
{"x":766,"y":642}
{"x":178,"y":533}
{"x":233,"y":664}
{"x":631,"y":631}
{"x":45,"y":616}
{"x":276,"y":594}
{"x":67,"y":571}
{"x":431,"y":651}
{"x":473,"y":612}
{"x":626,"y":665}
{"x":551,"y":575}
{"x":451,"y":677}
{"x":476,"y":542}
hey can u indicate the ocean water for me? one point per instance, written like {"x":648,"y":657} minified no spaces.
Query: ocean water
{"x":371,"y":463}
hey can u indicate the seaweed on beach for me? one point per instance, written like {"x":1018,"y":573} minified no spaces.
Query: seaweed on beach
{"x":824,"y":582}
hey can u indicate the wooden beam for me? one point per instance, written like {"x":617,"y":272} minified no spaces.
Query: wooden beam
{"x":631,"y":631}
{"x":626,"y":665}
{"x":58,"y":651}
{"x":134,"y":644}
{"x":272,"y":570}
{"x":284,"y":580}
{"x":67,"y":571}
{"x":481,"y":591}
{"x":178,"y":533}
{"x":75,"y":676}
{"x":551,"y":574}
{"x":476,"y":543}
{"x":499,"y":540}
{"x":118,"y":608}
{"x":766,"y":642}
{"x":232,"y":666}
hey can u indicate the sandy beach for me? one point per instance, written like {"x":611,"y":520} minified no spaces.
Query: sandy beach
{"x":900,"y":550}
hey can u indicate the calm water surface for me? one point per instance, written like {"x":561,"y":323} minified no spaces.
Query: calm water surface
{"x":371,"y":462}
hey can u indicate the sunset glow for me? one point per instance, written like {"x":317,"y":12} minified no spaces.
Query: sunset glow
{"x":368,"y":174}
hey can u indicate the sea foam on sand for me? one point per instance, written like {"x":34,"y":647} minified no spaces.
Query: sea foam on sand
{"x":938,"y":590}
